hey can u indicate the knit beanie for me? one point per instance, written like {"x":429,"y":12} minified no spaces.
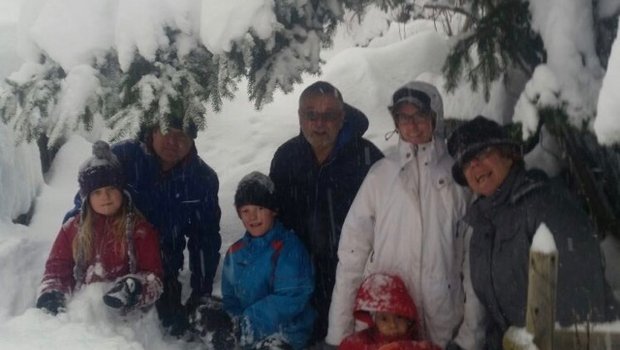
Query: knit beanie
{"x":471,"y":138}
{"x":101,"y":170}
{"x":257,"y":189}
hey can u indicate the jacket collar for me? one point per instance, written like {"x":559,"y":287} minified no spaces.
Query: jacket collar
{"x":266,"y":238}
{"x":517,"y":184}
{"x":406,"y":151}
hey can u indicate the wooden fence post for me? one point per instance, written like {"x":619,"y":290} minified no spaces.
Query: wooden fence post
{"x":541,"y":291}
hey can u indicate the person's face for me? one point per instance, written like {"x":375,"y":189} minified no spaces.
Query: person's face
{"x":171,"y":147}
{"x":256,"y":219}
{"x":487,"y":171}
{"x":321,"y":118}
{"x":106,"y":200}
{"x":413,"y":126}
{"x":391,"y":325}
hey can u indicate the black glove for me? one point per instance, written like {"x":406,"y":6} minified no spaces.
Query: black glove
{"x":244,"y":332}
{"x":453,"y":346}
{"x":195,"y":301}
{"x":53,"y":302}
{"x":212,"y":324}
{"x":125,"y":293}
{"x":273,"y":342}
{"x":171,"y":312}
{"x":209,"y":315}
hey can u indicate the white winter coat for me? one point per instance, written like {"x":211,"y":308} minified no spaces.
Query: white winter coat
{"x":403,"y":221}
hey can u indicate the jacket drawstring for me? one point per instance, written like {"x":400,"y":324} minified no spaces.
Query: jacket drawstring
{"x":79,"y":268}
{"x":131,"y":252}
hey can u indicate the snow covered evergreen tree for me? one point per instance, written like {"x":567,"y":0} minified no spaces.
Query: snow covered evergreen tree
{"x":180,"y":64}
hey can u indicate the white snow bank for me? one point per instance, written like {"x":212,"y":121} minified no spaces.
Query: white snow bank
{"x":87,"y":324}
{"x":543,"y":90}
{"x":224,"y":22}
{"x":20,"y":175}
{"x":566,"y":29}
{"x":607,"y":122}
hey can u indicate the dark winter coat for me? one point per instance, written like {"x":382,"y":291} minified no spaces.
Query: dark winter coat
{"x":180,"y":203}
{"x":268,"y":281}
{"x":314,"y":199}
{"x":503,"y":227}
{"x":110,"y":260}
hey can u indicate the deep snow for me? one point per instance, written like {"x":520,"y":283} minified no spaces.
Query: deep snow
{"x":237,"y":140}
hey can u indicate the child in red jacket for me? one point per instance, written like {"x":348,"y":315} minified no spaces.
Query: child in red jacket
{"x":384,"y":304}
{"x":108,"y":241}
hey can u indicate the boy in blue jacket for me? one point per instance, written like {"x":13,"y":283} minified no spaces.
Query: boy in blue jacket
{"x":267,"y":277}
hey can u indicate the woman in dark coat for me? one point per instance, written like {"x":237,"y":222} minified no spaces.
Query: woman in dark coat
{"x":512,"y":204}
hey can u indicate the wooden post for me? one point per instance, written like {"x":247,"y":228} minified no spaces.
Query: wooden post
{"x":541,"y":292}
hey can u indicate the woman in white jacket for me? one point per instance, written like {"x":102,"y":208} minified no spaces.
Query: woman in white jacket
{"x":403,"y":221}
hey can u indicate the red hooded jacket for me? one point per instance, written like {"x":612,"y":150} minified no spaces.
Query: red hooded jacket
{"x":384,"y":293}
{"x":109,"y":262}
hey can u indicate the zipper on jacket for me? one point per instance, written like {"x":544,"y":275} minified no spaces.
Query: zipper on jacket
{"x":424,"y":328}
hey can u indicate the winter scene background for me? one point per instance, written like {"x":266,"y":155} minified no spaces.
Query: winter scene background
{"x":370,"y":57}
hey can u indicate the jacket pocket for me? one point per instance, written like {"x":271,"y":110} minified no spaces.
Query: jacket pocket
{"x":443,"y":307}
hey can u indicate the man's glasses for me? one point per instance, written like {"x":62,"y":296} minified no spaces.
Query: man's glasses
{"x":328,"y":116}
{"x":416,"y":118}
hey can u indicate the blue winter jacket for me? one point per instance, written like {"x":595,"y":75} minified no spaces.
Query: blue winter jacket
{"x":180,"y":203}
{"x":268,"y":281}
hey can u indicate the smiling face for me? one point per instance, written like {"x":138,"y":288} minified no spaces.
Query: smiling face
{"x":321,"y":117}
{"x":391,"y":325}
{"x":487,"y":171}
{"x":256,"y":219}
{"x":106,"y":200}
{"x":171,"y":147}
{"x":413,"y":125}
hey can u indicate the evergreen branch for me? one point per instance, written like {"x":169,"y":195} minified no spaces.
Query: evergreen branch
{"x":454,"y":9}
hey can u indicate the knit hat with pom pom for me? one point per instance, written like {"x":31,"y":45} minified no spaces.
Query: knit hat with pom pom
{"x":101,"y":170}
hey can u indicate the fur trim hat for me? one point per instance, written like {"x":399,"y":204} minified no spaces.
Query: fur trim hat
{"x":101,"y":170}
{"x":383,"y":293}
{"x":471,"y":138}
{"x":257,"y":189}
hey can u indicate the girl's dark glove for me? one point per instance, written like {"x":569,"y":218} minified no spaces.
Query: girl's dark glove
{"x":52,"y":302}
{"x":125,"y":293}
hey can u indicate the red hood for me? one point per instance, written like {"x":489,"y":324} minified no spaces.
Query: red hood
{"x":383,"y":293}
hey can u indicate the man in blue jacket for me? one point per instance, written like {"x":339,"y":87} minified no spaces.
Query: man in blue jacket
{"x":178,"y":193}
{"x":317,"y":175}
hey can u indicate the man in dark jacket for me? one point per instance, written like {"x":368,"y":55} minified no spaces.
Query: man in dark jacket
{"x":512,"y":205}
{"x":317,"y":175}
{"x":178,"y":193}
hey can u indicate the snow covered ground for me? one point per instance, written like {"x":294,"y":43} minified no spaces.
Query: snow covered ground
{"x":237,"y":140}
